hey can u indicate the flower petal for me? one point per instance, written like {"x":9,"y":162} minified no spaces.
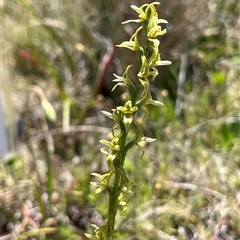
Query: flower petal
{"x":163,"y":63}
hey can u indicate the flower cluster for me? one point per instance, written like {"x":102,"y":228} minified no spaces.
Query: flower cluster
{"x":138,"y":97}
{"x":150,"y":56}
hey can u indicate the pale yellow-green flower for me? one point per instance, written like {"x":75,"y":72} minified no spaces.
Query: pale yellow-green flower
{"x":153,"y":30}
{"x":113,"y":151}
{"x":144,"y":69}
{"x":116,"y":115}
{"x":133,"y":43}
{"x":142,"y":14}
{"x":156,"y":31}
{"x":123,"y":81}
{"x":101,"y":186}
{"x":155,"y":57}
{"x":128,"y":111}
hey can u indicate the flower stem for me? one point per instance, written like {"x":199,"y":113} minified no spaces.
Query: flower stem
{"x":117,"y":184}
{"x":138,"y":98}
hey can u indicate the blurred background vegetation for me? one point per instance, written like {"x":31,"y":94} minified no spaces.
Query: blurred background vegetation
{"x":58,"y":59}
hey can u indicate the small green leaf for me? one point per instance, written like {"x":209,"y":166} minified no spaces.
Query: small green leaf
{"x":217,"y":78}
{"x":49,"y":110}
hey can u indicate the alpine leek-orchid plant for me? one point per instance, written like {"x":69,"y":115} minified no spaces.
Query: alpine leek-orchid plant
{"x":138,"y":98}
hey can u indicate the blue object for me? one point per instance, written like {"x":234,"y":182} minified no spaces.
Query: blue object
{"x":3,"y":134}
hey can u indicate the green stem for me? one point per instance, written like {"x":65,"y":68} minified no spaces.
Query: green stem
{"x":113,"y":205}
{"x":117,"y":184}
